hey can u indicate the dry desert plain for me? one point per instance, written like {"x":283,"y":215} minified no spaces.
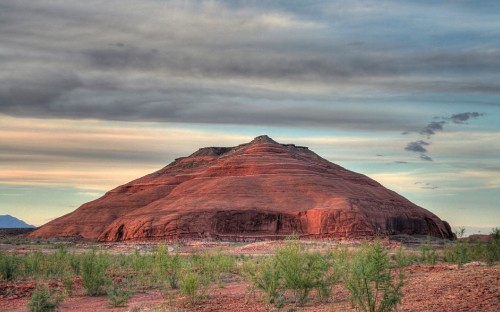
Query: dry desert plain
{"x":428,"y":285}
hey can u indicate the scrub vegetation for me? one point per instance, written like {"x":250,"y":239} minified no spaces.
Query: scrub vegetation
{"x":293,"y":276}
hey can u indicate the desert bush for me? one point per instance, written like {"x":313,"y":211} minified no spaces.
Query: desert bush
{"x":461,"y":251}
{"x":44,"y":299}
{"x":459,"y":232}
{"x":167,"y":266}
{"x":74,"y":262}
{"x":39,"y":266}
{"x":477,"y":250}
{"x":119,"y":293}
{"x":296,"y":271}
{"x":190,"y":286}
{"x":265,"y":275}
{"x":94,"y":276}
{"x":301,"y":271}
{"x":370,"y":282}
{"x":173,"y":269}
{"x":143,"y":266}
{"x":458,"y":252}
{"x":212,"y":266}
{"x":495,"y":233}
{"x":492,"y":249}
{"x":9,"y":266}
{"x":338,"y":261}
{"x":428,"y":253}
{"x":67,"y":280}
{"x":57,"y":261}
{"x":33,"y":264}
{"x":403,"y":258}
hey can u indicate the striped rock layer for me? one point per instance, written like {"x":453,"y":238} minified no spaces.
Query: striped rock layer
{"x":254,"y":191}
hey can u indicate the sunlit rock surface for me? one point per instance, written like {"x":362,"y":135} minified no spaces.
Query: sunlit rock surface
{"x":254,"y":191}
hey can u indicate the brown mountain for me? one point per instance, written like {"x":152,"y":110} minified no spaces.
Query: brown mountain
{"x":258,"y":190}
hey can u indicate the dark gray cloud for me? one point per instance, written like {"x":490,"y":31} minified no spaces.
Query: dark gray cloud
{"x":417,"y":146}
{"x":425,"y":157}
{"x":286,"y":63}
{"x":432,"y":127}
{"x":463,"y":117}
{"x":339,"y":66}
{"x":35,"y":94}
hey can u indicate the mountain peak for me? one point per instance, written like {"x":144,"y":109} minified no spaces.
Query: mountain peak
{"x":253,"y":191}
{"x":8,"y":221}
{"x":263,"y":139}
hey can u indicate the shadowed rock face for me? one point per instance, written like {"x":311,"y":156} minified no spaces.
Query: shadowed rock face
{"x":259,"y":190}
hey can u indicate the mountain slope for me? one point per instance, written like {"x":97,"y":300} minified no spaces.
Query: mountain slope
{"x":257,"y":190}
{"x":10,"y":222}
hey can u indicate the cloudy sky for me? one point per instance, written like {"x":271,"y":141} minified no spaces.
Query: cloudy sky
{"x":96,"y":93}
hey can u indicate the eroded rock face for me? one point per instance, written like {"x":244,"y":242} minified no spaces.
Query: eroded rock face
{"x":258,"y":190}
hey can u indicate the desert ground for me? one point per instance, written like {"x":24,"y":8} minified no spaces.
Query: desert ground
{"x":441,"y":286}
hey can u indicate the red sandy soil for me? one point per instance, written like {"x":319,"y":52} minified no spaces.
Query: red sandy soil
{"x":474,"y":287}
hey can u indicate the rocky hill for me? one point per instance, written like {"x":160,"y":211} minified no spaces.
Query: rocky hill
{"x":254,"y":191}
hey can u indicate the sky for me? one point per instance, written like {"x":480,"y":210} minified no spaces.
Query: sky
{"x":94,"y":94}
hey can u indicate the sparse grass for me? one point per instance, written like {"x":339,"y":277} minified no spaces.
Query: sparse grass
{"x":462,"y":251}
{"x":292,"y":276}
{"x":44,"y":299}
{"x":404,"y":258}
{"x":212,"y":265}
{"x":428,"y":253}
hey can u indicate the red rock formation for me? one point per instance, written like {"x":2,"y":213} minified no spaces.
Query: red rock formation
{"x":258,"y":190}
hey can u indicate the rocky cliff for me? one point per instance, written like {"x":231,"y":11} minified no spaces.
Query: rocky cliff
{"x":259,"y":190}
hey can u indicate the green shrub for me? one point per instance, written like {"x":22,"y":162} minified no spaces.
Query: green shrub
{"x":118,"y":294}
{"x":212,"y":265}
{"x":295,"y":270}
{"x":75,"y":263}
{"x":370,"y":282}
{"x":67,"y":280}
{"x":145,"y":266}
{"x":404,"y":258}
{"x":173,"y":268}
{"x":94,"y":273}
{"x":428,"y":254}
{"x":9,"y":266}
{"x":492,"y":249}
{"x":43,"y":299}
{"x":337,"y":261}
{"x":458,"y":252}
{"x":459,"y":233}
{"x":265,"y":275}
{"x":301,"y":272}
{"x":190,"y":286}
{"x":461,"y":252}
{"x":34,"y":264}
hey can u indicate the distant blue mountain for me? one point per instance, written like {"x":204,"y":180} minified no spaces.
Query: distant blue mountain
{"x":9,"y":222}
